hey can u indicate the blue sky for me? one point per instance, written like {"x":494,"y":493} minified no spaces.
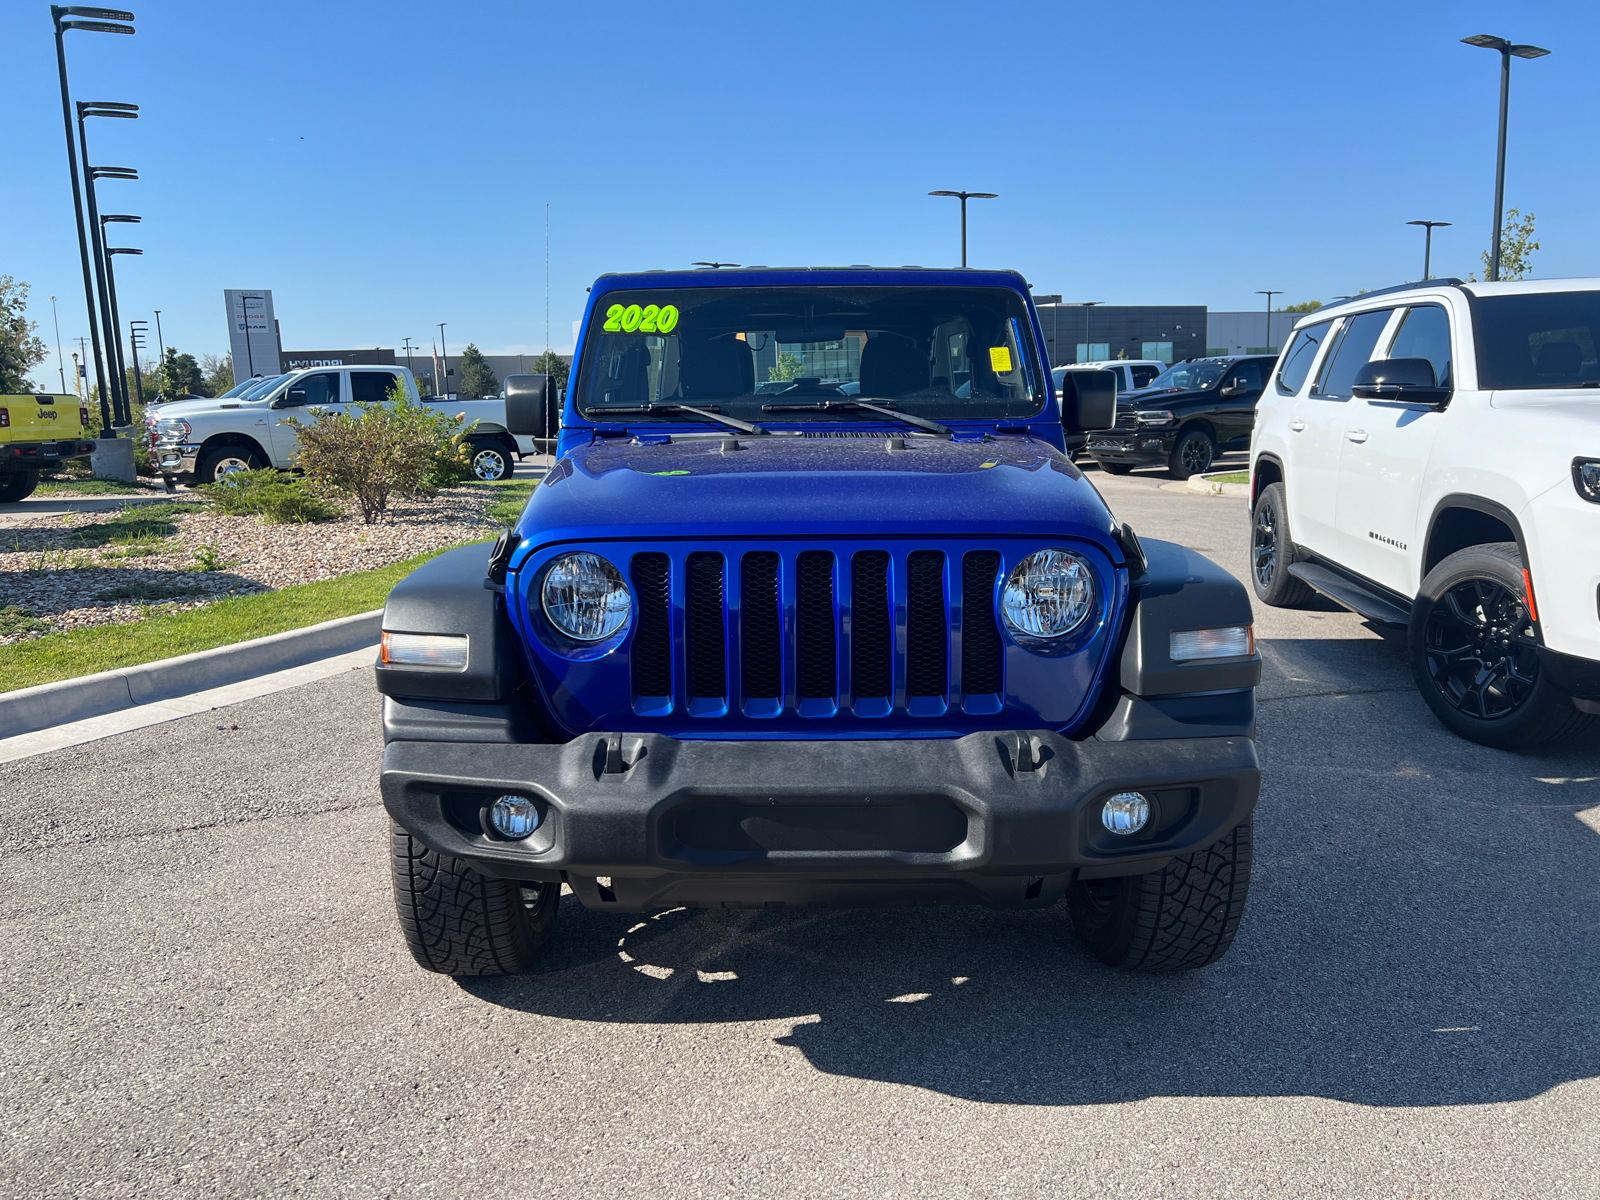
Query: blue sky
{"x":385,"y":168}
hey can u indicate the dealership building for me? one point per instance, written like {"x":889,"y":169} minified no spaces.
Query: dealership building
{"x":1075,"y":333}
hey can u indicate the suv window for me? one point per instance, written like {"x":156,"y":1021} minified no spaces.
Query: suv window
{"x":1143,"y":375}
{"x":1425,"y":333}
{"x":1537,"y":340}
{"x":1354,"y":351}
{"x":371,"y":387}
{"x":1302,"y":353}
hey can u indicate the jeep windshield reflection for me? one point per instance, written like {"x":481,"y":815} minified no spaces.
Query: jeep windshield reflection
{"x":781,"y":354}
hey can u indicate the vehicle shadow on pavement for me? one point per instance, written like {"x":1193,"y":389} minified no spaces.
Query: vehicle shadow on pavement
{"x":1421,"y":931}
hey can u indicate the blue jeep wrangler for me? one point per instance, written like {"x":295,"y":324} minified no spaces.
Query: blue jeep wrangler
{"x":813,"y":610}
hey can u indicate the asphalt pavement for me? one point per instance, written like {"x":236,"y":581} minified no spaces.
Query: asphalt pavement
{"x":204,"y":992}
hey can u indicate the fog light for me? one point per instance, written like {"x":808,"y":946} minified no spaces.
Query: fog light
{"x":514,"y":817}
{"x":1125,"y":813}
{"x":1231,"y":641}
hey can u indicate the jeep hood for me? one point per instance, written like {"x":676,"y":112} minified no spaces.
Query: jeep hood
{"x":816,"y":486}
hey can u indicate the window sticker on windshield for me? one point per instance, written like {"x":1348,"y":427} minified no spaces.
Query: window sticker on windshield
{"x":651,"y":318}
{"x":1000,"y":359}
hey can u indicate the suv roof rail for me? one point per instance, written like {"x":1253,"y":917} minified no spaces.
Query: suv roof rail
{"x":1447,"y":281}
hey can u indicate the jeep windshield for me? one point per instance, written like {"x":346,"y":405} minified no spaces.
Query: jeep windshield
{"x":1186,"y":377}
{"x":1537,"y":340}
{"x":788,"y":354}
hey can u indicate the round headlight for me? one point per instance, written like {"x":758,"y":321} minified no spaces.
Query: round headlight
{"x":1048,"y":594}
{"x":585,"y":598}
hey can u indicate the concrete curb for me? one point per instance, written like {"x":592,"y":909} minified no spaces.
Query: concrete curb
{"x":1207,"y":486}
{"x":31,"y":709}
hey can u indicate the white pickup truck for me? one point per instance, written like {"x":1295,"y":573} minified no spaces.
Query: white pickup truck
{"x":1429,"y":456}
{"x":197,"y":440}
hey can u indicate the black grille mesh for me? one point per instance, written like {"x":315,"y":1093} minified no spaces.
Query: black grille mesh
{"x":652,"y":638}
{"x":872,"y":633}
{"x":817,"y":653}
{"x":707,"y":650}
{"x":927,"y":638}
{"x":762,"y":641}
{"x":980,"y":637}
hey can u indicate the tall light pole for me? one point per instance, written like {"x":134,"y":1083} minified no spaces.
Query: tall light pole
{"x":116,"y":330}
{"x":1508,"y":51}
{"x":85,"y":110}
{"x":1269,"y":296}
{"x":1088,"y":344}
{"x":964,"y":197}
{"x":161,"y":354}
{"x":137,"y":331}
{"x":99,"y":20}
{"x":407,"y":348}
{"x":443,"y":384}
{"x":61,"y":364}
{"x":1427,"y":246}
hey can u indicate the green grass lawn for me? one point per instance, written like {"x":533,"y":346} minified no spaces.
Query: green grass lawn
{"x":75,"y":652}
{"x":92,"y":487}
{"x":1230,"y":477}
{"x":511,"y":497}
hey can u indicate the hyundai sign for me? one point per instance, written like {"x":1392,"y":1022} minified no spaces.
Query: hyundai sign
{"x":252,"y":332}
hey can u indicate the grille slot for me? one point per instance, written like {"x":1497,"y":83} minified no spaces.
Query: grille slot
{"x":817,"y":654}
{"x":652,"y":637}
{"x":762,"y":637}
{"x":927,"y":634}
{"x":980,"y":636}
{"x":708,"y":651}
{"x":871,"y":625}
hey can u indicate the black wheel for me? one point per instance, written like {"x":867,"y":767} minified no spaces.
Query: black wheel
{"x":459,"y":922}
{"x":491,"y":461}
{"x":1114,"y":468}
{"x":1473,"y":650}
{"x":1175,"y":919}
{"x":1272,"y":550}
{"x":226,"y":460}
{"x":1192,"y":455}
{"x":18,"y":485}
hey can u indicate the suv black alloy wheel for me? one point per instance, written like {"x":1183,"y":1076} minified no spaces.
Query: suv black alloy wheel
{"x":1481,"y":649}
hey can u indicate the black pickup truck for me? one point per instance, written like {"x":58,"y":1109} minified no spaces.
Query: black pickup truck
{"x":1184,"y":417}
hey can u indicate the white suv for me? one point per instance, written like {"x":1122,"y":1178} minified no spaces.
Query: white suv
{"x":1430,"y":456}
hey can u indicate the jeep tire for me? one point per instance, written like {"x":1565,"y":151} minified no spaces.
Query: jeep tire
{"x":227,"y":460}
{"x":17,"y":485}
{"x":1474,"y":653}
{"x":1272,"y":550}
{"x":1176,"y":919}
{"x":1193,"y":454}
{"x":459,"y":922}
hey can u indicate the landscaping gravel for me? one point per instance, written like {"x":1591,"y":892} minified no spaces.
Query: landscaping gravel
{"x":47,"y":569}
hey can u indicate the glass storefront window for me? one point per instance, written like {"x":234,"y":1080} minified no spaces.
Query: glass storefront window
{"x":1093,"y":351}
{"x":1158,"y":351}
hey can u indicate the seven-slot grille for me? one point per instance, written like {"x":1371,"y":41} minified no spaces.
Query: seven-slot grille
{"x":816,"y":630}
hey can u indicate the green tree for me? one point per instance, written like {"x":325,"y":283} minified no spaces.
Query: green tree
{"x":477,"y":380}
{"x":552,"y":364}
{"x":180,"y":375}
{"x":20,"y":349}
{"x":789,"y":367}
{"x":1516,"y":247}
{"x":1304,"y":306}
{"x":217,"y":370}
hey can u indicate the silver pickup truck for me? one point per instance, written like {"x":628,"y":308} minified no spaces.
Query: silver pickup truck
{"x":197,"y":440}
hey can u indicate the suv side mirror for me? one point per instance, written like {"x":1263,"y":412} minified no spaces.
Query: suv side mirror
{"x":530,"y":406}
{"x":1405,"y":380}
{"x":1088,"y":400}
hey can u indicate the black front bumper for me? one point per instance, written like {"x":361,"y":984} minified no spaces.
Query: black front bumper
{"x":1139,"y":448}
{"x":634,"y":822}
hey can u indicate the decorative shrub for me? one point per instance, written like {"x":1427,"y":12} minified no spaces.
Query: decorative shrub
{"x":276,"y":498}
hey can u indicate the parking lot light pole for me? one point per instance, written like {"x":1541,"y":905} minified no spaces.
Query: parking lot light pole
{"x":115,"y":337}
{"x":99,"y":20}
{"x":1508,"y":51}
{"x":116,"y":329}
{"x":1269,"y":295}
{"x":137,"y":332}
{"x":407,"y":348}
{"x":444,"y":364}
{"x":1427,"y":246}
{"x":85,"y":110}
{"x":1088,"y":307}
{"x":964,"y":197}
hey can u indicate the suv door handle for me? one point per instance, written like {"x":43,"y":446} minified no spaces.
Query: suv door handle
{"x":1355,"y":435}
{"x":1297,"y":426}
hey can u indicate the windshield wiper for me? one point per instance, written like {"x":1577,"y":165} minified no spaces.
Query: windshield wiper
{"x":709,"y":414}
{"x":882,"y":410}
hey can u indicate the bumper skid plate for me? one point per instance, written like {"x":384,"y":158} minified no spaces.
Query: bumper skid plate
{"x":640,"y":821}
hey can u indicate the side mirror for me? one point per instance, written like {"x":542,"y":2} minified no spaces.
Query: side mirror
{"x":1088,"y":400}
{"x":530,"y":406}
{"x":1404,"y":380}
{"x":1233,"y":387}
{"x":293,"y":398}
